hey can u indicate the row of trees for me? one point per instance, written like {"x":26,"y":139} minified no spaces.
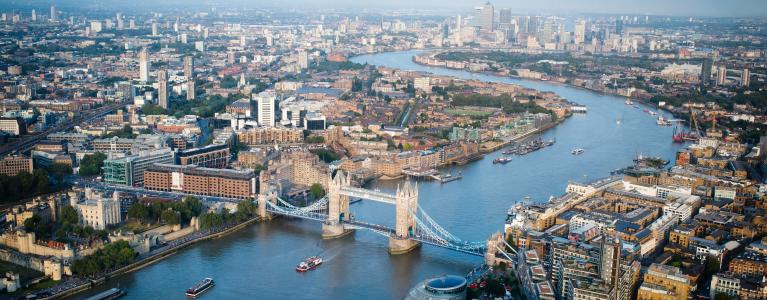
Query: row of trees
{"x":26,"y":185}
{"x":505,"y":101}
{"x":245,"y":210}
{"x":113,"y":255}
{"x":171,"y":213}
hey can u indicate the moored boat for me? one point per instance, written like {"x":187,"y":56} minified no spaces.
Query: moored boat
{"x":109,"y":294}
{"x":502,"y":160}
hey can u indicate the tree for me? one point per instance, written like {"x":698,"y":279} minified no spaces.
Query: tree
{"x":171,"y":217}
{"x":495,"y":287}
{"x":317,"y":191}
{"x":59,"y":170}
{"x":722,"y":296}
{"x":139,"y":212}
{"x":247,"y":207}
{"x":69,"y":215}
{"x":152,"y":109}
{"x":326,"y":155}
{"x":36,"y":225}
{"x":91,"y":164}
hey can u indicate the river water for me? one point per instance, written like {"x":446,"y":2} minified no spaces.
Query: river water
{"x":258,"y":262}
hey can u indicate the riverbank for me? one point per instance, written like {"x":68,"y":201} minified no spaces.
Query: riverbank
{"x":510,"y":141}
{"x":603,"y":92}
{"x":152,"y":257}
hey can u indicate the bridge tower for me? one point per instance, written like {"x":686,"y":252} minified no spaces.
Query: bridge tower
{"x":406,"y":207}
{"x":267,"y":195}
{"x":338,"y":208}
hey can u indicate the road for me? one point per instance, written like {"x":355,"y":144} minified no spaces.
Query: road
{"x":26,"y":142}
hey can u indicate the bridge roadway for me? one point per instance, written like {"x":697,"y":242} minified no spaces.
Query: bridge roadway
{"x":379,"y":229}
{"x":276,"y":209}
{"x":26,"y":142}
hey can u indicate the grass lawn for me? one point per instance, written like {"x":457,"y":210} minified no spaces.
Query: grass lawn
{"x":25,"y":273}
{"x":46,"y":283}
{"x":135,"y":226}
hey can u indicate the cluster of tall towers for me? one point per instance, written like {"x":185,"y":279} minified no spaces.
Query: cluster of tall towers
{"x":162,"y":78}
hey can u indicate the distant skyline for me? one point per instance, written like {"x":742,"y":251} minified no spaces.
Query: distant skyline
{"x":707,"y":8}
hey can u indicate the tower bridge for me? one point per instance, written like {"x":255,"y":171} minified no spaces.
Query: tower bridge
{"x":412,"y":225}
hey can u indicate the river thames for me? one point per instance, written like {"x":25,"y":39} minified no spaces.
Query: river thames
{"x":258,"y":262}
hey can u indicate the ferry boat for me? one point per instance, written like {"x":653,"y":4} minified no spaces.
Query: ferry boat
{"x":309,"y":264}
{"x":200,"y":287}
{"x":577,"y":151}
{"x":629,"y":102}
{"x":502,"y":160}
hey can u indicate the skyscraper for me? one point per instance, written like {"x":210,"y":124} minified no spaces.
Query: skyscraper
{"x":162,"y":89}
{"x":532,"y":25}
{"x":154,"y":29}
{"x":189,"y":67}
{"x":619,"y":27}
{"x":266,"y":108}
{"x":34,"y":15}
{"x":120,"y":21}
{"x":505,"y":17}
{"x":143,"y":65}
{"x":458,"y":31}
{"x":580,"y":32}
{"x":487,"y":17}
{"x":745,"y":78}
{"x":54,"y":14}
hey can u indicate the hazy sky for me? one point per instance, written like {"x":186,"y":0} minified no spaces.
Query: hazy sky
{"x":723,"y":8}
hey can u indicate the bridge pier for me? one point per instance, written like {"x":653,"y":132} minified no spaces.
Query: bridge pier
{"x":399,"y":245}
{"x":269,"y":195}
{"x":338,"y":208}
{"x":334,"y":231}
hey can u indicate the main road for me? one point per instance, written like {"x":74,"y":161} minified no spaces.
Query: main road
{"x":259,"y":262}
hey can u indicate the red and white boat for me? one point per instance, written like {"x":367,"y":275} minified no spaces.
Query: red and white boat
{"x":309,"y":264}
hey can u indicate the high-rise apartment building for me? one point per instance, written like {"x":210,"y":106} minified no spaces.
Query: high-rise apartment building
{"x":190,"y":90}
{"x":162,"y":89}
{"x":188,"y":67}
{"x":721,"y":75}
{"x":745,"y":78}
{"x":705,"y":72}
{"x":143,"y":65}
{"x":303,"y":60}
